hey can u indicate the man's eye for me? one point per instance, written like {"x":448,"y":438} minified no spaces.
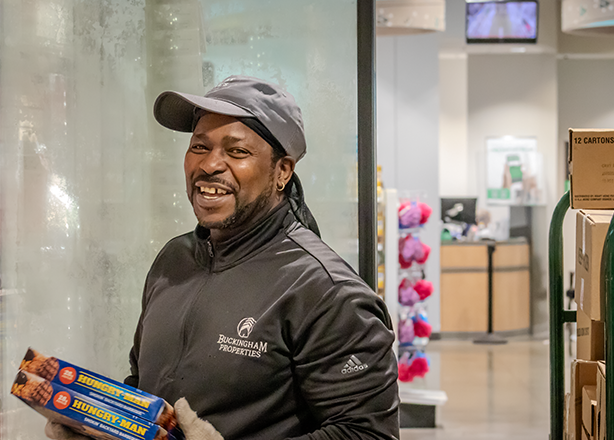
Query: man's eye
{"x":239,"y":152}
{"x":198,"y":147}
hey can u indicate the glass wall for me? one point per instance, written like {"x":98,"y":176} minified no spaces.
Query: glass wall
{"x":91,"y":187}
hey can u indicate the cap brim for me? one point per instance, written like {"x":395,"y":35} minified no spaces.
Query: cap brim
{"x":175,"y":110}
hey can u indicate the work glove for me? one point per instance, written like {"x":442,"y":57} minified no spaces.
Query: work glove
{"x":56,"y":431}
{"x":193,"y":427}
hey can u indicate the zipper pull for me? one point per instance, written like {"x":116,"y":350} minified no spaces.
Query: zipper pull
{"x":210,"y":248}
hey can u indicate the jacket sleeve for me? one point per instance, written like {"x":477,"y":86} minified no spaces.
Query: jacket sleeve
{"x":345,"y":366}
{"x":133,"y":378}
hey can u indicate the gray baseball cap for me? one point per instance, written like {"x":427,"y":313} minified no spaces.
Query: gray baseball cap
{"x":239,"y":96}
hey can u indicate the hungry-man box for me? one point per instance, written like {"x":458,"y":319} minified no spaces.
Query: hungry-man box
{"x":591,"y":168}
{"x":82,"y":413}
{"x":96,"y":386}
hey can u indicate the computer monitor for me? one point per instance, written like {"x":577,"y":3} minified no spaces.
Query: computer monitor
{"x":458,"y":210}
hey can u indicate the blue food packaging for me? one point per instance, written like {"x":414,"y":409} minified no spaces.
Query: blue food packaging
{"x":96,"y":386}
{"x":83,"y":414}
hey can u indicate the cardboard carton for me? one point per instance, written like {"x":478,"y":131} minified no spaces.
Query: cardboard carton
{"x":585,"y":435}
{"x":589,"y":406}
{"x":591,"y":165}
{"x":601,"y":414}
{"x":582,"y":373}
{"x":591,"y":229}
{"x":590,"y":338}
{"x":566,"y":418}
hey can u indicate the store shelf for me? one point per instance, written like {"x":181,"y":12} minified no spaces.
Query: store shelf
{"x":421,"y":397}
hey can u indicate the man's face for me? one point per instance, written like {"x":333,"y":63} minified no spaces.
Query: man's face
{"x":229,"y":173}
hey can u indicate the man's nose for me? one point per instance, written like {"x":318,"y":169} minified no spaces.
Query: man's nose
{"x":214,"y":162}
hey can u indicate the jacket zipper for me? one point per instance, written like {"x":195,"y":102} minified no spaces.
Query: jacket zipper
{"x":184,"y":329}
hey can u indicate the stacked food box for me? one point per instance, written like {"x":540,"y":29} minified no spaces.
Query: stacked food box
{"x":91,"y":404}
{"x":591,"y":157}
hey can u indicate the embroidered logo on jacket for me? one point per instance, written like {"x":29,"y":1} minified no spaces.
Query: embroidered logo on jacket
{"x":245,"y":327}
{"x":242,"y":347}
{"x":353,"y":365}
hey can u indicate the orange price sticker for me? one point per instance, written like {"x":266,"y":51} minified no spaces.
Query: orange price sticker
{"x":61,"y":400}
{"x":68,"y":375}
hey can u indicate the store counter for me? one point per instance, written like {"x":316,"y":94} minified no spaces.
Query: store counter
{"x":464,"y":286}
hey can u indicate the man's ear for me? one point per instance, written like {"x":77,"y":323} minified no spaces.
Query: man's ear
{"x":286,"y":168}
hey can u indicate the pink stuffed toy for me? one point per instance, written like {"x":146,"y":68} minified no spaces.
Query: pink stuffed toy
{"x":422,"y":328}
{"x":426,"y":211}
{"x":417,"y":366}
{"x":409,"y":215}
{"x":408,"y":296}
{"x":412,"y":249}
{"x":413,"y":214}
{"x":406,"y":331}
{"x":423,"y":288}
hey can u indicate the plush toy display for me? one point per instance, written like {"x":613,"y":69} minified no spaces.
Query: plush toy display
{"x":413,"y":214}
{"x":413,"y":327}
{"x":411,"y":250}
{"x":412,"y":366}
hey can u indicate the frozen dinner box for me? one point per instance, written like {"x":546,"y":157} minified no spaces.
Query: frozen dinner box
{"x":88,"y":383}
{"x":82,"y":413}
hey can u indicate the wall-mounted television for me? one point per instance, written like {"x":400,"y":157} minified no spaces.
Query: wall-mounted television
{"x":501,"y":21}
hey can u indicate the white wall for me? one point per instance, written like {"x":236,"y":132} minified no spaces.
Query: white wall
{"x":453,"y":148}
{"x":516,"y":95}
{"x":407,"y":71}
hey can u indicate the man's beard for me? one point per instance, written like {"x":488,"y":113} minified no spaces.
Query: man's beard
{"x":243,"y":212}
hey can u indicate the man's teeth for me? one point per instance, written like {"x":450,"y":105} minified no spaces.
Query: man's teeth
{"x":209,"y":190}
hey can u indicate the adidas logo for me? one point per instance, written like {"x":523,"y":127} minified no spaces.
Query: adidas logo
{"x":353,"y":365}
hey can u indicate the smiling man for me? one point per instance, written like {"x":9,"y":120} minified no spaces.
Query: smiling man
{"x":250,"y":321}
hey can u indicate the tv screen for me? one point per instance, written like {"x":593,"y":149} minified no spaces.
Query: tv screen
{"x":501,"y":22}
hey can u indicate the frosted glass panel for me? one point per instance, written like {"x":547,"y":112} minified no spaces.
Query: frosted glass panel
{"x":308,"y":47}
{"x":91,"y":187}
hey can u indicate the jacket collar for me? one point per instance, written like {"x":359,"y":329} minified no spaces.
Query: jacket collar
{"x":225,"y":254}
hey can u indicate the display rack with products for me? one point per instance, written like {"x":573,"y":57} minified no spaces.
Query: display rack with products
{"x":413,"y":329}
{"x":402,"y":287}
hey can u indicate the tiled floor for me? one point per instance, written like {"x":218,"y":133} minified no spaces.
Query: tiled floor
{"x":494,"y":391}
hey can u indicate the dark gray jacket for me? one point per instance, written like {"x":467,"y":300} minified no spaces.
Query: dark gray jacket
{"x":269,"y":335}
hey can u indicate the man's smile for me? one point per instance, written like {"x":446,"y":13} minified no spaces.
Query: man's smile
{"x":208,"y":190}
{"x":213,"y":190}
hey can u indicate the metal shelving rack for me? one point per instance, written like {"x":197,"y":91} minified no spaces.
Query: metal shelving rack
{"x":559,"y":316}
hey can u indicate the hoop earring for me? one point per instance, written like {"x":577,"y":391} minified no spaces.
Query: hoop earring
{"x":281,"y":187}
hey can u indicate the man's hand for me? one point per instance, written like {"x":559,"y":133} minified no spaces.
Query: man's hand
{"x":56,"y":431}
{"x":193,"y":427}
